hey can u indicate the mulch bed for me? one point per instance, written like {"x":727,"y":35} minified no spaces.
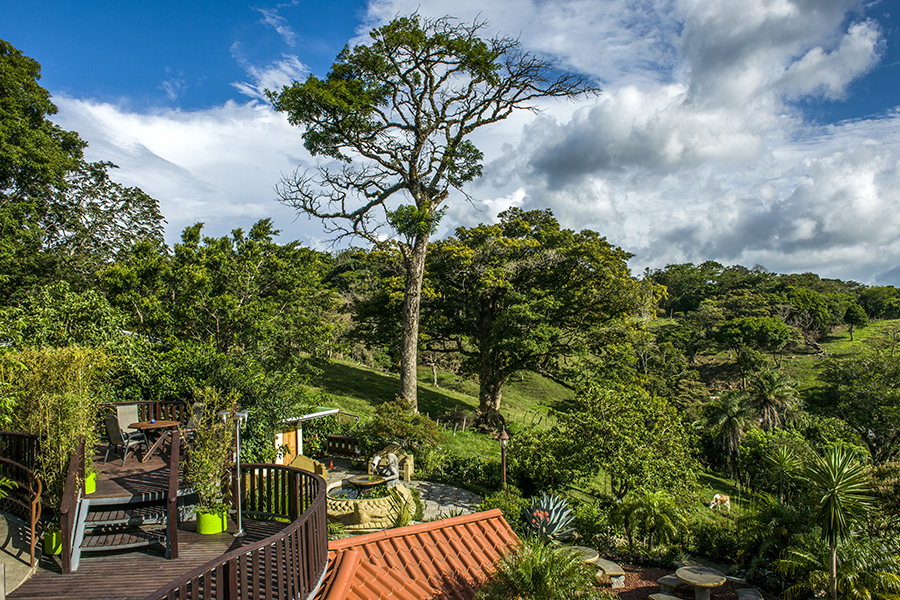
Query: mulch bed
{"x":640,"y":582}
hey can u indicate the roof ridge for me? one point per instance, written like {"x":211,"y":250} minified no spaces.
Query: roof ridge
{"x":416,"y":529}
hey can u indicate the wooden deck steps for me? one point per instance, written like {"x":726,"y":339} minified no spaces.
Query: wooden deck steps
{"x":119,"y":537}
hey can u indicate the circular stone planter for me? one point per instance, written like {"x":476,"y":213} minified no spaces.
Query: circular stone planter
{"x":365,"y":514}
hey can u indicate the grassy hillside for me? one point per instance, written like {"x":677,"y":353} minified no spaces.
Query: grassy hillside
{"x":528,"y":398}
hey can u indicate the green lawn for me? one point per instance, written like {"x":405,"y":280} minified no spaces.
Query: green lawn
{"x":528,"y":399}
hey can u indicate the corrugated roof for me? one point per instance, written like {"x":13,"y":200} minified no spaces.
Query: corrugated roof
{"x":439,"y":559}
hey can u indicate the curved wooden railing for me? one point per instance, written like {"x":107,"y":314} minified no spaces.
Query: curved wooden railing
{"x":289,"y":564}
{"x":25,"y":498}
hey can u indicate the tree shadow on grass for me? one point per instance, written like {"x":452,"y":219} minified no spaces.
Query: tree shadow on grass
{"x":375,"y":388}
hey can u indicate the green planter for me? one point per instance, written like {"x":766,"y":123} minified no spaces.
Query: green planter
{"x":90,"y":483}
{"x":52,"y":542}
{"x":209,"y":523}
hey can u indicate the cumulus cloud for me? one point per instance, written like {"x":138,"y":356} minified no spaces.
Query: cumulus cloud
{"x":218,"y":166}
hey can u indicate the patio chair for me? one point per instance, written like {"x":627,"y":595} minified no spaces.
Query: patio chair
{"x":127,"y":414}
{"x":118,"y":438}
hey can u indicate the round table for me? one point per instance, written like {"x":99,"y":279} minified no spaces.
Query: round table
{"x":164,"y":426}
{"x":702,"y":578}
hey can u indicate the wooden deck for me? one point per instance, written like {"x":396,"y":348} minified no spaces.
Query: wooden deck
{"x":135,"y":574}
{"x":134,"y":479}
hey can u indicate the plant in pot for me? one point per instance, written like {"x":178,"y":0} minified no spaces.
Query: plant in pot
{"x":210,"y":452}
{"x":54,"y":393}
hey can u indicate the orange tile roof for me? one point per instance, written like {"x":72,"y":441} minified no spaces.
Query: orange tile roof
{"x":446,"y":558}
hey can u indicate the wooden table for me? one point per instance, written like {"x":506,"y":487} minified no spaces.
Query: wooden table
{"x":702,"y":578}
{"x":164,"y":427}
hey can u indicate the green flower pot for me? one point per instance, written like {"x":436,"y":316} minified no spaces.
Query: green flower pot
{"x":90,"y":483}
{"x":52,"y":542}
{"x":209,"y":523}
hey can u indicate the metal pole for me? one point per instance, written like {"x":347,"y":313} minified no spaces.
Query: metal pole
{"x":240,"y":528}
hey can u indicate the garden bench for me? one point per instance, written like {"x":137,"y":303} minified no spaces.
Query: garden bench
{"x":749,"y":594}
{"x":615,"y":573}
{"x":661,"y":596}
{"x":342,"y":445}
{"x":668,"y":583}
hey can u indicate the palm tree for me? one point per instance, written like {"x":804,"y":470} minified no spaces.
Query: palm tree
{"x":728,"y":419}
{"x":538,"y":571}
{"x":772,"y":393}
{"x":785,"y":467}
{"x":842,"y":492}
{"x":657,"y":517}
{"x":866,"y":570}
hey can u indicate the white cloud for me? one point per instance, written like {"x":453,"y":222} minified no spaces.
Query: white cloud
{"x":218,"y":166}
{"x":272,"y":77}
{"x":271,"y":18}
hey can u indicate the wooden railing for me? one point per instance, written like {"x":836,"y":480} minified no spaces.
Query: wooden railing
{"x":19,"y":447}
{"x":289,"y":564}
{"x":24,"y":500}
{"x":170,"y":410}
{"x":68,"y":506}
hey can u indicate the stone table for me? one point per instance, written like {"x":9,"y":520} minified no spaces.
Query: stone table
{"x":702,"y":578}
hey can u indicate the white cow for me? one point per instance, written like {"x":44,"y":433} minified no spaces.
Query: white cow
{"x":720,"y":500}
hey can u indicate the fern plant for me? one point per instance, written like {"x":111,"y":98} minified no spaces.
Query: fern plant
{"x":550,"y":518}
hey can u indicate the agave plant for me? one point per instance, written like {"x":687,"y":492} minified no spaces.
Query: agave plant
{"x":549,"y":517}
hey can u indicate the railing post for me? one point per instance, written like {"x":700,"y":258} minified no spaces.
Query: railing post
{"x":172,"y":496}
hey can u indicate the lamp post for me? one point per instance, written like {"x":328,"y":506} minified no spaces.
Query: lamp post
{"x":504,"y":440}
{"x":238,"y":423}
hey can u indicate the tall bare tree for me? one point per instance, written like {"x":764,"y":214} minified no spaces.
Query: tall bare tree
{"x":399,"y":114}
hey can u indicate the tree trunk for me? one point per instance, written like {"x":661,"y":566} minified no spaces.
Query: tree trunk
{"x":490,"y":381}
{"x":832,"y":571}
{"x":409,"y":340}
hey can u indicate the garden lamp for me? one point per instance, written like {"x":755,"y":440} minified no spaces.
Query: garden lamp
{"x":504,"y":440}
{"x":238,"y":423}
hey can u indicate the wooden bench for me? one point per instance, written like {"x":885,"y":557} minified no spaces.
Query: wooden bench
{"x":615,"y":573}
{"x":668,"y":583}
{"x":749,"y":594}
{"x":342,"y":445}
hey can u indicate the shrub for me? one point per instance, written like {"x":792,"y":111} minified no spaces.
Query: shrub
{"x":716,"y":539}
{"x":394,"y":422}
{"x":474,"y":473}
{"x":592,"y":525}
{"x":511,"y":504}
{"x":210,"y":449}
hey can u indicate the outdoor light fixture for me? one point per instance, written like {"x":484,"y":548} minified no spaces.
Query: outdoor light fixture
{"x":239,"y":422}
{"x":504,"y":440}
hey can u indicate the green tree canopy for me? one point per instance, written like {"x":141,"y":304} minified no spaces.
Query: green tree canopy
{"x":523,"y":294}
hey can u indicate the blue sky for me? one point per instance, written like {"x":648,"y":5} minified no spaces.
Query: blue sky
{"x":744,"y":131}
